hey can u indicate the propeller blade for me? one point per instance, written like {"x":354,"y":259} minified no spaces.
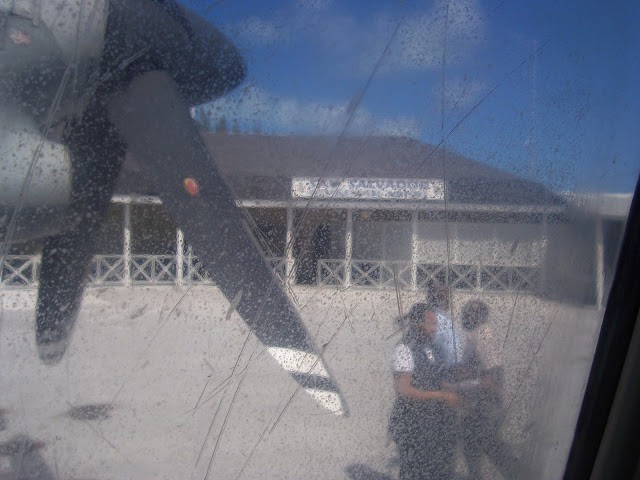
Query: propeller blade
{"x":154,"y":121}
{"x":97,"y":155}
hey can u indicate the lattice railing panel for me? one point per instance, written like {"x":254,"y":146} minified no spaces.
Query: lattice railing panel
{"x":431,"y":274}
{"x":153,"y":269}
{"x":194,"y":272}
{"x":464,"y":277}
{"x":20,"y":271}
{"x":330,"y":272}
{"x":509,"y":278}
{"x":528,"y":278}
{"x":107,"y":270}
{"x":380,"y":274}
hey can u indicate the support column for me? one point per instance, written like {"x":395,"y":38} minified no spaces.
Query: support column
{"x":599,"y":264}
{"x":545,"y":245}
{"x":348,"y":248}
{"x":414,"y":250}
{"x":189,"y":264}
{"x":288,"y":246}
{"x":179,"y":257}
{"x":127,"y":244}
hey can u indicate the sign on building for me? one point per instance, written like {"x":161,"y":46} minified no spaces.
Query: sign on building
{"x":367,"y":188}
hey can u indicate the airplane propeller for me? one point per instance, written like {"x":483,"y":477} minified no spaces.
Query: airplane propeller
{"x":159,"y":59}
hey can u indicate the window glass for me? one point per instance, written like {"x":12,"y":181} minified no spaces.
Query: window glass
{"x":307,"y":238}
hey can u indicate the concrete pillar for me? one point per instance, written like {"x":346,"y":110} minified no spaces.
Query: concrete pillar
{"x":288,"y":248}
{"x":545,"y":247}
{"x":348,"y":248}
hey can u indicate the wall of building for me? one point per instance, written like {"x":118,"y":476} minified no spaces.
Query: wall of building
{"x":557,"y":256}
{"x":481,"y":243}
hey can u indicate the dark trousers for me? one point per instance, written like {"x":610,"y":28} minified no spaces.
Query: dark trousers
{"x":426,"y":459}
{"x":426,"y":445}
{"x":481,"y":435}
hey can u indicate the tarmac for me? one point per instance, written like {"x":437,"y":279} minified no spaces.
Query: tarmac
{"x":167,"y":382}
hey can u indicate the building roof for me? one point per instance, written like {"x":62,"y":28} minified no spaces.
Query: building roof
{"x":262,"y":167}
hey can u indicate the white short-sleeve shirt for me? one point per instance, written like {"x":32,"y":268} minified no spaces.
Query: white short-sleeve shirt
{"x":448,"y":338}
{"x":402,"y":359}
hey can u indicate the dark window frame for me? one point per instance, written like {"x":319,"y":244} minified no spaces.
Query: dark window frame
{"x":605,"y":444}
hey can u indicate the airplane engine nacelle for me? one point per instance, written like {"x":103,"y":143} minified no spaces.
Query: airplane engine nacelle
{"x":35,"y":180}
{"x":35,"y":93}
{"x":34,"y":171}
{"x":55,"y":57}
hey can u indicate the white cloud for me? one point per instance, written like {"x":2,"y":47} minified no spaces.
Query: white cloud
{"x":358,"y":43}
{"x":256,"y":31}
{"x":283,"y":25}
{"x":253,"y":107}
{"x":421,"y":39}
{"x":314,"y":4}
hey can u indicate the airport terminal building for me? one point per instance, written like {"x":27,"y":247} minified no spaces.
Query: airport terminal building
{"x":370,"y":213}
{"x":357,"y":229}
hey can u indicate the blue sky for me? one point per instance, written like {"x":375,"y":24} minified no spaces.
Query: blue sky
{"x":566,"y":116}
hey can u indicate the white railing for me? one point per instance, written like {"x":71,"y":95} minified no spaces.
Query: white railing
{"x":193,"y":270}
{"x":146,"y":270}
{"x":21,"y":271}
{"x":153,"y":269}
{"x":397,"y":274}
{"x":458,"y":276}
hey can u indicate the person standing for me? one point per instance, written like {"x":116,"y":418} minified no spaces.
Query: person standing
{"x":423,"y":418}
{"x":483,"y":406}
